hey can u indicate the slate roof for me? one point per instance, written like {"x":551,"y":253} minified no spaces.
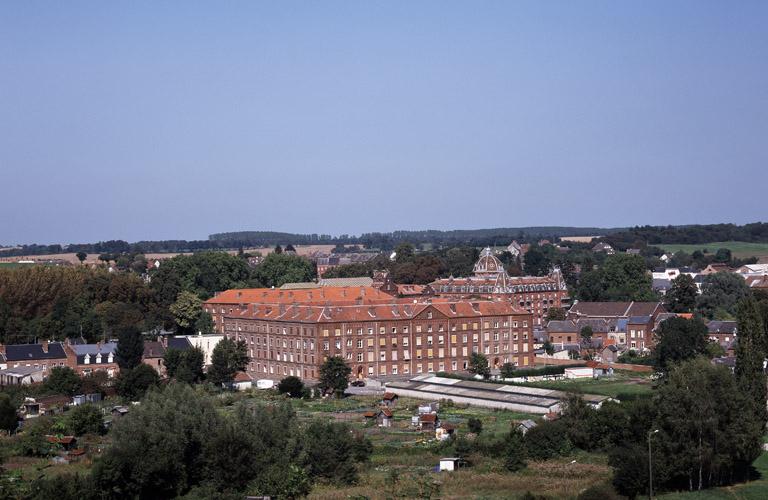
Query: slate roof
{"x":153,"y":349}
{"x":359,"y":281}
{"x":92,"y":350}
{"x":728,"y":327}
{"x":660,"y":284}
{"x":179,"y":343}
{"x":639,"y":320}
{"x":528,"y":424}
{"x":614,"y":309}
{"x":561,"y":326}
{"x":28,"y":352}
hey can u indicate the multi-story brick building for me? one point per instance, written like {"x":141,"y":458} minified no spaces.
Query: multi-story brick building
{"x":293,"y":332}
{"x":536,"y":294}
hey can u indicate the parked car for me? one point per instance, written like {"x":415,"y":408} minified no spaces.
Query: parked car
{"x":358,"y":383}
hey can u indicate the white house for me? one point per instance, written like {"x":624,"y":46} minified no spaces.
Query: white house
{"x":205,"y":343}
{"x":752,"y":270}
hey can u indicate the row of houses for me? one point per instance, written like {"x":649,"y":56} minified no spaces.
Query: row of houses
{"x":618,"y":327}
{"x":31,"y":363}
{"x":755,"y":275}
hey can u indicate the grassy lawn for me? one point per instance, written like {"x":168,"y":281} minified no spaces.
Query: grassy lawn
{"x":739,"y":249}
{"x":619,"y":384}
{"x":753,"y":490}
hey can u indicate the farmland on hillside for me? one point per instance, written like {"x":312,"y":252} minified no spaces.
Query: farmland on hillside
{"x":739,"y":249}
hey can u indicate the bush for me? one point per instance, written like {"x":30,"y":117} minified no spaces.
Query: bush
{"x":548,"y":440}
{"x":63,"y":380}
{"x":85,"y":419}
{"x":602,"y":491}
{"x":133,"y":383}
{"x":293,"y":386}
{"x":475,"y":425}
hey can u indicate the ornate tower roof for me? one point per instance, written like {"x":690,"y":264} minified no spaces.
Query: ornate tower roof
{"x":488,"y":265}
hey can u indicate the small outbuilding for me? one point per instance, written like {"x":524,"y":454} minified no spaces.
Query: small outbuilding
{"x":384,"y":418}
{"x":428,"y":421}
{"x":526,"y":425}
{"x":389,"y":399}
{"x":449,"y":464}
{"x":119,"y":411}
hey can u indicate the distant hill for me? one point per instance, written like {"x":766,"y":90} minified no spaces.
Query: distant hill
{"x":474,"y":237}
{"x":621,"y":238}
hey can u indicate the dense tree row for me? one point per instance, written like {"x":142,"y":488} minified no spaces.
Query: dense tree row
{"x":656,"y":235}
{"x":42,"y":302}
{"x":176,"y":444}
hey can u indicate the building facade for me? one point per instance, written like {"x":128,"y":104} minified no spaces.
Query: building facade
{"x":535,"y":294}
{"x":378,"y":335}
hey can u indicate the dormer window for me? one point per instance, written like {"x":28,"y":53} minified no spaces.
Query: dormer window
{"x":98,"y":358}
{"x":87,"y":359}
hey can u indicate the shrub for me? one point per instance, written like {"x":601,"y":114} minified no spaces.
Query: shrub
{"x":293,"y":386}
{"x":475,"y":425}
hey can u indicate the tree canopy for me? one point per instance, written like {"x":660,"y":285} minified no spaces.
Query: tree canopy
{"x":334,"y":375}
{"x":228,"y":358}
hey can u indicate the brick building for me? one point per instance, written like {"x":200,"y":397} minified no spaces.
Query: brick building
{"x":45,"y":355}
{"x":536,"y":294}
{"x":293,"y":332}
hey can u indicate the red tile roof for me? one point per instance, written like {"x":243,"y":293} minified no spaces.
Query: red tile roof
{"x":389,"y":396}
{"x":242,"y":377}
{"x":391,"y":309}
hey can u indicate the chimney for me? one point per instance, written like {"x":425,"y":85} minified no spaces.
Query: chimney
{"x":44,"y":345}
{"x":164,"y":340}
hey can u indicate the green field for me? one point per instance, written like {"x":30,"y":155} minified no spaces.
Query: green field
{"x":739,"y":249}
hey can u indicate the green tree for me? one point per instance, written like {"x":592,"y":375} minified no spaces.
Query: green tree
{"x":228,"y":358}
{"x":622,"y":277}
{"x":156,"y":448}
{"x":63,"y":380}
{"x":186,"y":311}
{"x":720,"y":293}
{"x":171,"y":361}
{"x":750,"y":357}
{"x":679,"y":339}
{"x":475,"y":425}
{"x":514,"y":458}
{"x":536,"y":262}
{"x":185,"y":366}
{"x":133,"y":383}
{"x":548,"y":348}
{"x":293,"y":386}
{"x":279,"y":269}
{"x":586,"y":334}
{"x":130,"y":348}
{"x":555,"y":314}
{"x":507,"y":370}
{"x":404,"y":253}
{"x":81,"y":256}
{"x":334,"y":375}
{"x":204,"y":323}
{"x":705,"y":438}
{"x":681,"y":297}
{"x":8,"y":417}
{"x":84,"y":419}
{"x":330,"y":452}
{"x":478,"y":364}
{"x":548,"y":440}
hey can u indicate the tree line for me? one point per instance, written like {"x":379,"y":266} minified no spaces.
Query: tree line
{"x":55,"y":303}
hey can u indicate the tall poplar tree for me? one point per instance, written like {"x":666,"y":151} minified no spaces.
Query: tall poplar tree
{"x":750,"y":355}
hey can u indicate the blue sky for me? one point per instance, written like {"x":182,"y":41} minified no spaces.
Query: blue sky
{"x":161,"y":120}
